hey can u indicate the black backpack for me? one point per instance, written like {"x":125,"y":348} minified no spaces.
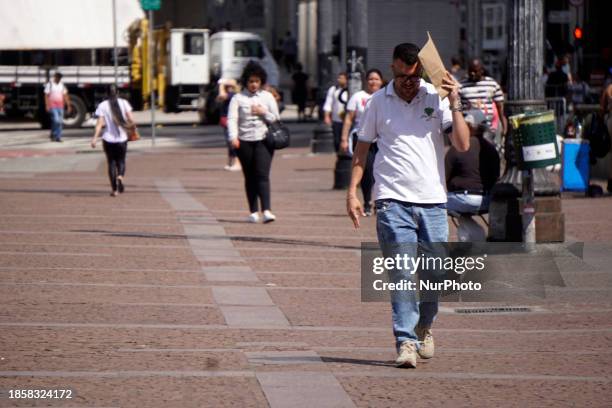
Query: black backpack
{"x":596,"y":132}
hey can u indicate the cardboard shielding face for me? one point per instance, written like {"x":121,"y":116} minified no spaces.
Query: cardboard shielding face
{"x":433,"y":65}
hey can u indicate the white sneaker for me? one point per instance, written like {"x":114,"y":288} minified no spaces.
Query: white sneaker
{"x":227,"y":167}
{"x":253,"y":218}
{"x":235,"y":167}
{"x":268,"y":217}
{"x":407,"y":356}
{"x":427,"y":348}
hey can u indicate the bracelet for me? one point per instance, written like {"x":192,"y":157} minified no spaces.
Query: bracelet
{"x":457,"y":108}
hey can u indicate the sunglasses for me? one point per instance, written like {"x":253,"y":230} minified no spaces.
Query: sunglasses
{"x":403,"y":79}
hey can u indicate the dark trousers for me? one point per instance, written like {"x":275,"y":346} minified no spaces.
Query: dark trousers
{"x":256,"y":160}
{"x":367,"y":181}
{"x":115,"y":157}
{"x":337,"y":130}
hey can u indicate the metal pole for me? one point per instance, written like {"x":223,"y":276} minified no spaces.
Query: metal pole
{"x":115,"y":53}
{"x":152,"y":91}
{"x":528,"y":217}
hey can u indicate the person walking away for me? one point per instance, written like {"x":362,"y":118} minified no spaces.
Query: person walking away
{"x":289,"y":51}
{"x":354,"y":112}
{"x":408,"y":119}
{"x":579,"y":91}
{"x":333,"y":108}
{"x":56,"y":97}
{"x":249,"y":113}
{"x":456,"y":69}
{"x":482,"y":92}
{"x":227,"y":90}
{"x":470,"y":176}
{"x":605,"y":109}
{"x":114,"y":115}
{"x":557,"y":82}
{"x":300,"y":90}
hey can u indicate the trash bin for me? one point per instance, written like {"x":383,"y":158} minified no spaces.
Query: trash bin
{"x":575,"y":173}
{"x":535,"y":140}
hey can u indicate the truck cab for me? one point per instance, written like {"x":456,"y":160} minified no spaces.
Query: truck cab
{"x":187,"y":67}
{"x":232,"y":50}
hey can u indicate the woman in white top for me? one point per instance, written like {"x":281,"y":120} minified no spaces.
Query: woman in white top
{"x":354,"y":112}
{"x":249,"y":113}
{"x":113,"y":115}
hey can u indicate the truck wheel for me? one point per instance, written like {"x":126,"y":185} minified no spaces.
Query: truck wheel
{"x":76,"y":117}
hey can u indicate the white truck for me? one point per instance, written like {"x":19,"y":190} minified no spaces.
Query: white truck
{"x":196,"y":61}
{"x":75,"y":37}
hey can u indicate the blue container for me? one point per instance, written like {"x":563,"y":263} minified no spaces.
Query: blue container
{"x":576,"y":167}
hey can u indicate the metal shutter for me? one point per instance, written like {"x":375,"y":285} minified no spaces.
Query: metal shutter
{"x":395,"y":21}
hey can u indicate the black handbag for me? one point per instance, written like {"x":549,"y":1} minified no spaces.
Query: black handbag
{"x":278,"y":136}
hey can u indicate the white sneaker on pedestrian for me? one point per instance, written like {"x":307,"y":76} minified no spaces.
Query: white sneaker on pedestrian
{"x":426,"y":342}
{"x":235,"y":167}
{"x":407,"y":356}
{"x":253,"y":218}
{"x":268,"y":217}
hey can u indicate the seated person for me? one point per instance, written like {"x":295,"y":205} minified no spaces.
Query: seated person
{"x":470,"y":176}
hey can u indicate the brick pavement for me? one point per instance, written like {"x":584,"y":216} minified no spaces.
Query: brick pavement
{"x":166,"y":297}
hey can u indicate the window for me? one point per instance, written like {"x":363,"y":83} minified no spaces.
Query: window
{"x":193,"y":44}
{"x":494,"y":26}
{"x":248,"y":49}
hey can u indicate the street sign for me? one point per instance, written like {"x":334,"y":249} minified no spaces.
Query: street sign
{"x":150,"y":4}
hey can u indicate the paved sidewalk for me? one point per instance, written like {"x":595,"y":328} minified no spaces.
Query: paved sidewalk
{"x":166,"y":297}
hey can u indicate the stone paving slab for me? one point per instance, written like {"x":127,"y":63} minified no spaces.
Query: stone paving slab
{"x":142,"y":389}
{"x":381,"y":392}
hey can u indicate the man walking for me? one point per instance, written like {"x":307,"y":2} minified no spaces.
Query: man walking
{"x":333,"y":108}
{"x":482,"y":92}
{"x":408,"y":118}
{"x":56,"y":95}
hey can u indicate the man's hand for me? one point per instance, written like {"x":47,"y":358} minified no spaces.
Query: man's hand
{"x":93,"y":143}
{"x":327,"y":119}
{"x":354,"y":209}
{"x":69,"y":109}
{"x":452,"y":87}
{"x":235,"y":143}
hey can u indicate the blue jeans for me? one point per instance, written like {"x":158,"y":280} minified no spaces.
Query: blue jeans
{"x":461,"y":203}
{"x":57,"y":122}
{"x":404,"y":223}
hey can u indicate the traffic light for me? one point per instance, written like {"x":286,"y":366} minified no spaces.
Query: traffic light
{"x":578,"y":36}
{"x":336,"y":44}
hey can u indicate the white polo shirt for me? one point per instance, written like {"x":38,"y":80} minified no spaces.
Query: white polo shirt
{"x":409,"y":165}
{"x":333,"y":104}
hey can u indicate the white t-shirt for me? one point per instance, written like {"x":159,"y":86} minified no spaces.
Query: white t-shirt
{"x":55,"y":92}
{"x":333,"y":105}
{"x":112,"y":132}
{"x":409,"y":165}
{"x":357,"y":104}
